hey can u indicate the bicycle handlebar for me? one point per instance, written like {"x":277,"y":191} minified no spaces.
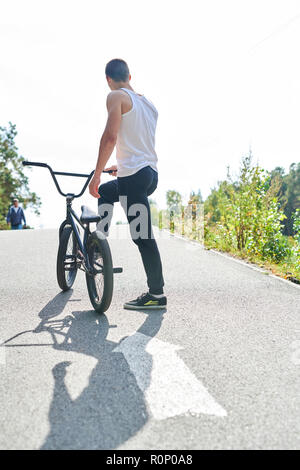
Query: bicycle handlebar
{"x":53,"y":173}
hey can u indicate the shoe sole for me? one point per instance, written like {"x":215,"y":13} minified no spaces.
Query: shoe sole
{"x":140,"y":307}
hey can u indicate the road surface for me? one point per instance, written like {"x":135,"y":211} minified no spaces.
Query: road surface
{"x":219,"y":369}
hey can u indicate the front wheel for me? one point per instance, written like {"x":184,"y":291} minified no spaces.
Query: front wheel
{"x":66,"y":266}
{"x":100,"y":284}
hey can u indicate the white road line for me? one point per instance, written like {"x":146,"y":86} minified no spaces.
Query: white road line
{"x":170,"y":388}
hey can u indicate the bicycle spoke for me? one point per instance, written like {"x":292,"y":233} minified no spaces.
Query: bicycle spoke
{"x":99,"y":280}
{"x":70,"y":257}
{"x":100,"y":277}
{"x":67,"y":265}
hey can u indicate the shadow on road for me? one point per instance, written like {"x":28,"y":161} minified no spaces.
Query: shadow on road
{"x":112,"y":408}
{"x":52,"y":309}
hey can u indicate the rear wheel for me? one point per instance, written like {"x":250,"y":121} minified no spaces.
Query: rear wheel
{"x":100,"y":284}
{"x":66,"y":266}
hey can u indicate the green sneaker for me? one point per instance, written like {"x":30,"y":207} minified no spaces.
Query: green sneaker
{"x":146,"y":301}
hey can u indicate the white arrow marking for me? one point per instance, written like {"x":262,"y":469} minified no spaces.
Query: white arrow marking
{"x":170,"y":388}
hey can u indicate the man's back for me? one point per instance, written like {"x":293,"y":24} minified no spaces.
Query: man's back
{"x":136,"y":137}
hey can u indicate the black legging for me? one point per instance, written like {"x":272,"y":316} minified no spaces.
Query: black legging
{"x":136,"y":188}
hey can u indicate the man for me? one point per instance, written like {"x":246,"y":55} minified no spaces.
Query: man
{"x":131,"y":126}
{"x":15,"y":216}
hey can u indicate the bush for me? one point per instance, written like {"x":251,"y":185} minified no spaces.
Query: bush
{"x":244,"y":215}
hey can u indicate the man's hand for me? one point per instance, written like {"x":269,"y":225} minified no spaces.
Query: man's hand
{"x":94,"y":185}
{"x":113,"y":169}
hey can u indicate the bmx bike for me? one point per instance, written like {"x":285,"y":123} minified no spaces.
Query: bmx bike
{"x":90,"y":254}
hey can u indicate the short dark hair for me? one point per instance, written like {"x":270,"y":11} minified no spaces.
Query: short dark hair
{"x":118,"y":70}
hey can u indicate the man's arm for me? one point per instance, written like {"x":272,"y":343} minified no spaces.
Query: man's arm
{"x":8,"y":216}
{"x":108,"y":139}
{"x":23,"y":216}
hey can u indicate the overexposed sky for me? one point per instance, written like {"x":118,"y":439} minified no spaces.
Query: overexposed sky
{"x":223,"y":75}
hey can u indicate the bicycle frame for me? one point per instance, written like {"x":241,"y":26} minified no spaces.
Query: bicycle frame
{"x":70,"y":214}
{"x":70,"y":221}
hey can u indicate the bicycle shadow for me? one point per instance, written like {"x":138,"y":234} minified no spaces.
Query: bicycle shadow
{"x":111,"y":408}
{"x":52,"y":309}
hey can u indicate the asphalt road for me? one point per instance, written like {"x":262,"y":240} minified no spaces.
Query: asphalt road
{"x":219,"y":369}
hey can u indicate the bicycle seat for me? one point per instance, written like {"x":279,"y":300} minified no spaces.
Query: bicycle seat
{"x":88,"y":216}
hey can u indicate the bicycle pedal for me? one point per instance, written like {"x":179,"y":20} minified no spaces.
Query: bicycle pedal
{"x":117,"y":270}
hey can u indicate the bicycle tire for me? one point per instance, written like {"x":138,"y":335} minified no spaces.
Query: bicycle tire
{"x":98,"y":250}
{"x":66,"y":278}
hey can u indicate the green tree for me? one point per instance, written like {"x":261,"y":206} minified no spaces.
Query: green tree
{"x":214,"y":205}
{"x":13,"y":181}
{"x":174,"y":199}
{"x":291,"y":197}
{"x":296,"y":225}
{"x":288,"y":193}
{"x":174,"y":205}
{"x":195,"y":197}
{"x":154,"y":212}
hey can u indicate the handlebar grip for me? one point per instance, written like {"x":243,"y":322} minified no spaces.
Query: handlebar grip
{"x":26,"y":163}
{"x":108,"y":171}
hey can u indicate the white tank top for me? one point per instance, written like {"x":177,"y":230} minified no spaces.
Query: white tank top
{"x":136,"y":136}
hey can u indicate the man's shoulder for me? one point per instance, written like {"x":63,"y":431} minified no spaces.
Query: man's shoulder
{"x":116,"y":98}
{"x":116,"y":94}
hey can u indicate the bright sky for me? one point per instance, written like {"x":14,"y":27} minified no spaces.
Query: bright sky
{"x":223,"y":75}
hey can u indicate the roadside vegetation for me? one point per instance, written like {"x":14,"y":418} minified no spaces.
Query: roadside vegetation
{"x":255,"y":216}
